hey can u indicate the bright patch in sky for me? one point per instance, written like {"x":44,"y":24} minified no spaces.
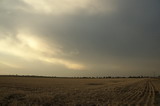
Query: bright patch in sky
{"x":11,"y":65}
{"x":29,"y":47}
{"x":68,"y":6}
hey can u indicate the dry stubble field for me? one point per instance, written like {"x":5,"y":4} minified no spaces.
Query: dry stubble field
{"x":28,"y":91}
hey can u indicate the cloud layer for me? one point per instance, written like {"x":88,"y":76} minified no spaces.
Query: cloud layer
{"x":29,"y":47}
{"x":94,"y":37}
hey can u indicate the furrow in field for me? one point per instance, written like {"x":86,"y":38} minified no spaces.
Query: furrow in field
{"x":147,"y":97}
{"x":136,"y":94}
{"x":152,"y":94}
{"x":156,"y":85}
{"x":128,"y":93}
{"x":144,"y":95}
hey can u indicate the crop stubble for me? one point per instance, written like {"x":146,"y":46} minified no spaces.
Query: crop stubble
{"x":24,"y":91}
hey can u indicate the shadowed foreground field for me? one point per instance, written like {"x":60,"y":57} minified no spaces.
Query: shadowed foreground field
{"x":28,"y":91}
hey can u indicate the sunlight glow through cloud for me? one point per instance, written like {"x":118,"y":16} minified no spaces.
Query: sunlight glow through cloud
{"x":32,"y":48}
{"x":11,"y":65}
{"x":68,"y":6}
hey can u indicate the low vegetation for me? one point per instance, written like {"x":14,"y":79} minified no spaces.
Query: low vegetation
{"x":38,"y":91}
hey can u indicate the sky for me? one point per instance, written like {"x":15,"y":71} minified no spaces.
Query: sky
{"x":80,"y":37}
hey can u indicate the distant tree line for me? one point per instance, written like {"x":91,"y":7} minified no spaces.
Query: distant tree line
{"x":36,"y":76}
{"x":105,"y":77}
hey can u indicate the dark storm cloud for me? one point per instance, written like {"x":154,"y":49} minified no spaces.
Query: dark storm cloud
{"x":127,"y":37}
{"x":132,"y":30}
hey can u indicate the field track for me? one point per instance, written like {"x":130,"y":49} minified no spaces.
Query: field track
{"x":79,"y":92}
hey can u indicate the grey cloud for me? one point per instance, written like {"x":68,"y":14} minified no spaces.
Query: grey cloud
{"x":130,"y":32}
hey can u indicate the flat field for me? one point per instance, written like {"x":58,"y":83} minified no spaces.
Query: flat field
{"x":28,"y":91}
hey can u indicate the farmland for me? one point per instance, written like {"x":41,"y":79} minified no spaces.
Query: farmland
{"x":29,"y":91}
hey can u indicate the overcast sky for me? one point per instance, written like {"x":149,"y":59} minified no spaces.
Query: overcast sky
{"x":80,"y":37}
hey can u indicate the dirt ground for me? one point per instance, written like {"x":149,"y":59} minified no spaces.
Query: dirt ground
{"x":28,"y":91}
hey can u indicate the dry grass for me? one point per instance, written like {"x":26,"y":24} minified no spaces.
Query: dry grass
{"x":23,"y":91}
